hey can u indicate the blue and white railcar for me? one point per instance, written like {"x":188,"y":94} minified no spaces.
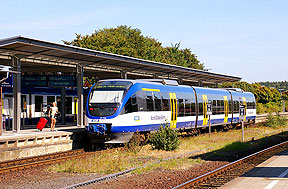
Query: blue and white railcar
{"x":118,"y":108}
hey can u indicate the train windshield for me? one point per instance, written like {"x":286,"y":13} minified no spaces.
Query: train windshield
{"x":106,"y":96}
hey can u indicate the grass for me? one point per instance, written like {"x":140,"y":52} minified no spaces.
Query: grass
{"x":104,"y":163}
{"x":120,"y":159}
{"x":171,"y":164}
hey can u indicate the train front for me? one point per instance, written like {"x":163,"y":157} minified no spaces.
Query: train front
{"x":103,"y":107}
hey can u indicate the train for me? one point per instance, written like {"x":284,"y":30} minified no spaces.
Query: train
{"x":117,"y":108}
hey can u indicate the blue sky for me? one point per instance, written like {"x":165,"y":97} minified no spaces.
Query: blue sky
{"x":247,"y":38}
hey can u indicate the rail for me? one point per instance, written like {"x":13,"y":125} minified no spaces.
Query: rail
{"x":221,"y":171}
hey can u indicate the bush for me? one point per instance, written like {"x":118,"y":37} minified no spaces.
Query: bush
{"x":135,"y":143}
{"x":269,"y":107}
{"x":165,"y":139}
{"x":275,"y":121}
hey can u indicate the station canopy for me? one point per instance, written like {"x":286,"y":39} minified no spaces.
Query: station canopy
{"x":42,"y":56}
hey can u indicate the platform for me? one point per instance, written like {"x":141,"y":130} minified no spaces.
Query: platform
{"x":32,"y":142}
{"x":273,"y":173}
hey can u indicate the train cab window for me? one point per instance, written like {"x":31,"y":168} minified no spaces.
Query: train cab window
{"x":157,"y":101}
{"x":181,"y":111}
{"x":131,"y":105}
{"x":38,"y":103}
{"x":149,"y":100}
{"x":165,"y":101}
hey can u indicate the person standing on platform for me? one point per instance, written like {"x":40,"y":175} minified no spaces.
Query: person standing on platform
{"x":52,"y":112}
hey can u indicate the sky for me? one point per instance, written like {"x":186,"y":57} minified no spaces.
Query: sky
{"x":247,"y":38}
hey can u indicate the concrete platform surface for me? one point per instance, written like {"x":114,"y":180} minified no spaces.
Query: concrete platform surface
{"x":273,"y":173}
{"x":8,"y":135}
{"x":32,"y":142}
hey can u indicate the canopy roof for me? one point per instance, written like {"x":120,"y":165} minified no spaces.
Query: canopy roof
{"x":42,"y":56}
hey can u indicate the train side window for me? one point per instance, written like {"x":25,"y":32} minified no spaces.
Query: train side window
{"x":149,"y":100}
{"x":165,"y":101}
{"x":157,"y":101}
{"x":236,"y":106}
{"x":141,"y":100}
{"x":193,"y":109}
{"x":230,"y":106}
{"x":214,"y":106}
{"x":200,"y":104}
{"x":181,"y":112}
{"x":131,"y":105}
{"x":254,"y":105}
{"x":187,"y":107}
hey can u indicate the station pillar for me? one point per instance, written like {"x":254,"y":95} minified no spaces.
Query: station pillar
{"x":16,"y":66}
{"x":80,"y":113}
{"x":200,"y":84}
{"x":123,"y":74}
{"x":63,"y":112}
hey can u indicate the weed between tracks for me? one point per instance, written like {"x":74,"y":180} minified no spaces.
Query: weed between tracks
{"x":219,"y":144}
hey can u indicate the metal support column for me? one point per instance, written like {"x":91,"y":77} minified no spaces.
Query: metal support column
{"x":16,"y":65}
{"x":155,"y":76}
{"x":180,"y":81}
{"x":216,"y":85}
{"x":80,"y":114}
{"x":63,"y":112}
{"x":200,"y":83}
{"x":123,"y":74}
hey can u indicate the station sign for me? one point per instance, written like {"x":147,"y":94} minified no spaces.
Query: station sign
{"x":209,"y":109}
{"x":48,"y":81}
{"x":34,"y":81}
{"x":241,"y":112}
{"x":62,"y":81}
{"x":8,"y":82}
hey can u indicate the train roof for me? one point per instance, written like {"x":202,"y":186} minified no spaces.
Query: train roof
{"x":159,"y":83}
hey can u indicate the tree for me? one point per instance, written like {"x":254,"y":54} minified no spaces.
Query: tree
{"x":124,"y":40}
{"x":262,"y":94}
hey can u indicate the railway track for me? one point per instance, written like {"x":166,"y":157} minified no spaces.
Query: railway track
{"x":222,"y":175}
{"x":24,"y":163}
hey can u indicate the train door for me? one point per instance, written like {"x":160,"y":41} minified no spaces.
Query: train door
{"x":173,"y":104}
{"x":226,"y":109}
{"x":205,"y":115}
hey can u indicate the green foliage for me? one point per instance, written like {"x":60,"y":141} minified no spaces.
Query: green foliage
{"x":262,"y":94}
{"x":275,"y":121}
{"x":285,"y":95}
{"x":128,"y":41}
{"x":165,"y":139}
{"x":276,"y":84}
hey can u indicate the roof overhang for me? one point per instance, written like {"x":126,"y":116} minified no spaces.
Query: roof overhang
{"x":41,"y":56}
